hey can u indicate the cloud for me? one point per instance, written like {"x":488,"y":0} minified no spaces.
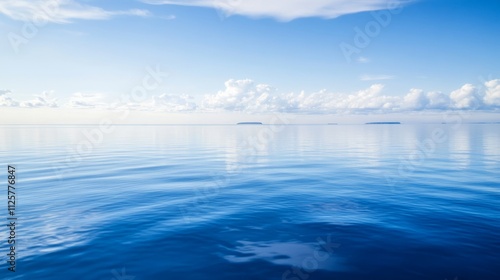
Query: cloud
{"x":438,"y":100}
{"x":362,"y":59}
{"x":85,"y":100}
{"x":60,"y":11}
{"x":376,"y":77}
{"x":6,"y":100}
{"x":242,"y":95}
{"x":416,"y":99}
{"x":465,"y":98}
{"x":492,"y":97}
{"x":162,"y":103}
{"x":287,"y":10}
{"x":169,"y":17}
{"x":42,"y":100}
{"x":367,"y":99}
{"x":173,"y":103}
{"x":247,"y":96}
{"x":250,"y":97}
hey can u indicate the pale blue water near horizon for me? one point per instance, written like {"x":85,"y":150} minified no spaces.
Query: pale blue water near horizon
{"x":304,"y":202}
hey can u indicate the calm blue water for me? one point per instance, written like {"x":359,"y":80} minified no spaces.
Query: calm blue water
{"x":250,"y":202}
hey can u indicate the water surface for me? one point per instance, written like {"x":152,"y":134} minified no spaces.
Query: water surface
{"x":256,"y":202}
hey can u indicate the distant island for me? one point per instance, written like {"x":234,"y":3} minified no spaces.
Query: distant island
{"x":258,"y":123}
{"x":331,"y":123}
{"x":383,"y":123}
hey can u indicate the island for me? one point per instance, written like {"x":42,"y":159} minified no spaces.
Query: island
{"x":257,"y":123}
{"x":383,"y":123}
{"x":331,"y":123}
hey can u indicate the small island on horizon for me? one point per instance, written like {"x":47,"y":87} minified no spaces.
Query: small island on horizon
{"x":383,"y":123}
{"x":246,"y":123}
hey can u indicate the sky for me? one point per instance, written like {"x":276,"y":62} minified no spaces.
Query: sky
{"x":224,"y":61}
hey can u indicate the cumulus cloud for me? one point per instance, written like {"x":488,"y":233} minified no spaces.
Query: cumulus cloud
{"x":43,"y":100}
{"x":242,"y":95}
{"x":6,"y":100}
{"x":492,"y":97}
{"x":369,"y":99}
{"x":465,"y":98}
{"x":437,"y":100}
{"x":161,"y":103}
{"x":416,"y":99}
{"x":86,"y":100}
{"x":246,"y":95}
{"x":173,"y":103}
{"x":59,"y":11}
{"x":288,"y":10}
{"x":251,"y":97}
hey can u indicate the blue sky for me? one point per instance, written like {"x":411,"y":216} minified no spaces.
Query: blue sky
{"x":255,"y":57}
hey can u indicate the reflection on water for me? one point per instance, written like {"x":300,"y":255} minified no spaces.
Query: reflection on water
{"x":220,"y":202}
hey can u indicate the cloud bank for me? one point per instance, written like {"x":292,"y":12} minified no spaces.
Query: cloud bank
{"x":86,"y":100}
{"x":245,"y":95}
{"x":59,"y":11}
{"x":43,"y":100}
{"x":287,"y":10}
{"x":6,"y":100}
{"x":250,"y":97}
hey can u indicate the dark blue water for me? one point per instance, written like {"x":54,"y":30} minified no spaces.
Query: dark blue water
{"x":255,"y":202}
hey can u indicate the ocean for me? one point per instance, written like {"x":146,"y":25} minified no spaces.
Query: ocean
{"x":242,"y":202}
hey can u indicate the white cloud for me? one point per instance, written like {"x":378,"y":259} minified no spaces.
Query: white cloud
{"x":492,"y":93}
{"x":169,"y":17}
{"x":6,"y":100}
{"x":242,"y":95}
{"x":376,"y":77}
{"x":287,"y":10}
{"x":59,"y":11}
{"x":246,"y":96}
{"x":362,"y":59}
{"x":173,"y":103}
{"x":43,"y":100}
{"x":367,"y":99}
{"x":86,"y":100}
{"x":438,"y":100}
{"x":465,"y":98}
{"x":416,"y":99}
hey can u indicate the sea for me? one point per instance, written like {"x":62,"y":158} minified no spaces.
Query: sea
{"x":277,"y":202}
